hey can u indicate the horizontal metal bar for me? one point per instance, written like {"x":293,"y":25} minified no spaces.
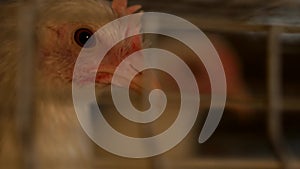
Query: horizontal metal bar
{"x":207,"y":163}
{"x":225,"y":25}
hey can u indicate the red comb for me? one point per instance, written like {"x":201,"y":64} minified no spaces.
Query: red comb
{"x":121,"y":9}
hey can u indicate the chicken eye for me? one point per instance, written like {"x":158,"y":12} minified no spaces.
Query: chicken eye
{"x":82,"y":36}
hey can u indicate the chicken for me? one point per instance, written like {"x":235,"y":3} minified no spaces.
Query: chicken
{"x":61,"y":30}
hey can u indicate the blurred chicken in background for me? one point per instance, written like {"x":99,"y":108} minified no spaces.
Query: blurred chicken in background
{"x":238,"y":94}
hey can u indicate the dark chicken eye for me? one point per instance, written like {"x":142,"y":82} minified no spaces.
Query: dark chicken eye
{"x":82,"y":36}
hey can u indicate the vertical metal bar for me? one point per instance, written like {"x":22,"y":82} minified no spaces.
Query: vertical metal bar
{"x":25,"y":108}
{"x":157,"y":162}
{"x":275,"y":96}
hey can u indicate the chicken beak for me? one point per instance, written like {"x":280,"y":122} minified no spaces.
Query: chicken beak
{"x":138,"y":81}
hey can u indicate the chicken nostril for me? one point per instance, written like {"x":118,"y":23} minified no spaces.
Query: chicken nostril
{"x":83,"y":37}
